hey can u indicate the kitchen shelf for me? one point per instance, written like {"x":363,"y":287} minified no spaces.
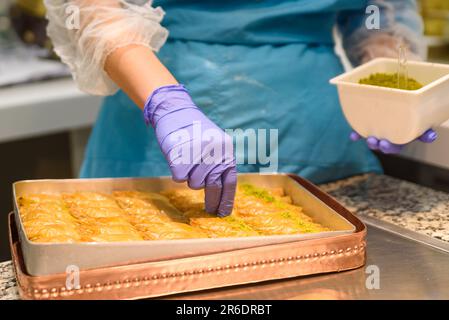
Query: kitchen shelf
{"x":44,"y":107}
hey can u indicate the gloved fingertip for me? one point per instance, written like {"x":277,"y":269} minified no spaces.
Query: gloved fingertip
{"x":389,"y":148}
{"x":195,"y":185}
{"x":212,"y":195}
{"x":209,"y":209}
{"x":222,"y":213}
{"x":354,"y":136}
{"x":211,"y":206}
{"x":373,"y":143}
{"x":226,"y":205}
{"x":229,"y":183}
{"x":428,"y":136}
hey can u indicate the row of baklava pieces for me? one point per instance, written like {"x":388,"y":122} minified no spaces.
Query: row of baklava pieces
{"x":93,"y":217}
{"x":99,"y":218}
{"x":251,"y":216}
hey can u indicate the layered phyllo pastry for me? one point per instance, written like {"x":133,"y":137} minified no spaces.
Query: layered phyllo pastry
{"x":131,"y":215}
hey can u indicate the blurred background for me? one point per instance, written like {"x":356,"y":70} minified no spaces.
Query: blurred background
{"x":45,"y":121}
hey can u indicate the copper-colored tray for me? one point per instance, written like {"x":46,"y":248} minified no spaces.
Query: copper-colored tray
{"x":152,"y":279}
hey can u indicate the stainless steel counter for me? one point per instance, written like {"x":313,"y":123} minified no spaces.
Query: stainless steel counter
{"x":396,"y":212}
{"x":401,"y":267}
{"x":407,"y":270}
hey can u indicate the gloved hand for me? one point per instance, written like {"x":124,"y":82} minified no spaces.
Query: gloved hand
{"x":387,"y":147}
{"x":196,"y":149}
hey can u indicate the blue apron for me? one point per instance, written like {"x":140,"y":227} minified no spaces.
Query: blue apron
{"x":248,"y":65}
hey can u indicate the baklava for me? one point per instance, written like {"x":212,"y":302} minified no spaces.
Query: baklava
{"x":131,"y":215}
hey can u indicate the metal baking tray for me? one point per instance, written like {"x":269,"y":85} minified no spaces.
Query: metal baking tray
{"x":162,"y":278}
{"x":52,"y":258}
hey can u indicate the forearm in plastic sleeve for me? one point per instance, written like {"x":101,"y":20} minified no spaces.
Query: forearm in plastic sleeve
{"x":104,"y":26}
{"x":398,"y":18}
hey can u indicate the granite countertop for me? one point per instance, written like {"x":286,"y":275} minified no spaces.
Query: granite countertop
{"x":399,"y":202}
{"x":8,"y":287}
{"x":402,"y":203}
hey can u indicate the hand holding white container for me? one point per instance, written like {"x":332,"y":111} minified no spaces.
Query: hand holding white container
{"x":397,"y":115}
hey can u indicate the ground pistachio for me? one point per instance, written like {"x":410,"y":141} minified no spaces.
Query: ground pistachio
{"x":390,"y":80}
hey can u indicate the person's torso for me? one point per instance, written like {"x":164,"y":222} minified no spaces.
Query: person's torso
{"x":254,"y":22}
{"x":249,"y":65}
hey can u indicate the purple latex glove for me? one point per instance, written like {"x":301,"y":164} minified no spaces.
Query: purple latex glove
{"x":196,"y":149}
{"x":387,"y":147}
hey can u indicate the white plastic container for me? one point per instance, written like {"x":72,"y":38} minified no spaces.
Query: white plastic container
{"x":397,"y":115}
